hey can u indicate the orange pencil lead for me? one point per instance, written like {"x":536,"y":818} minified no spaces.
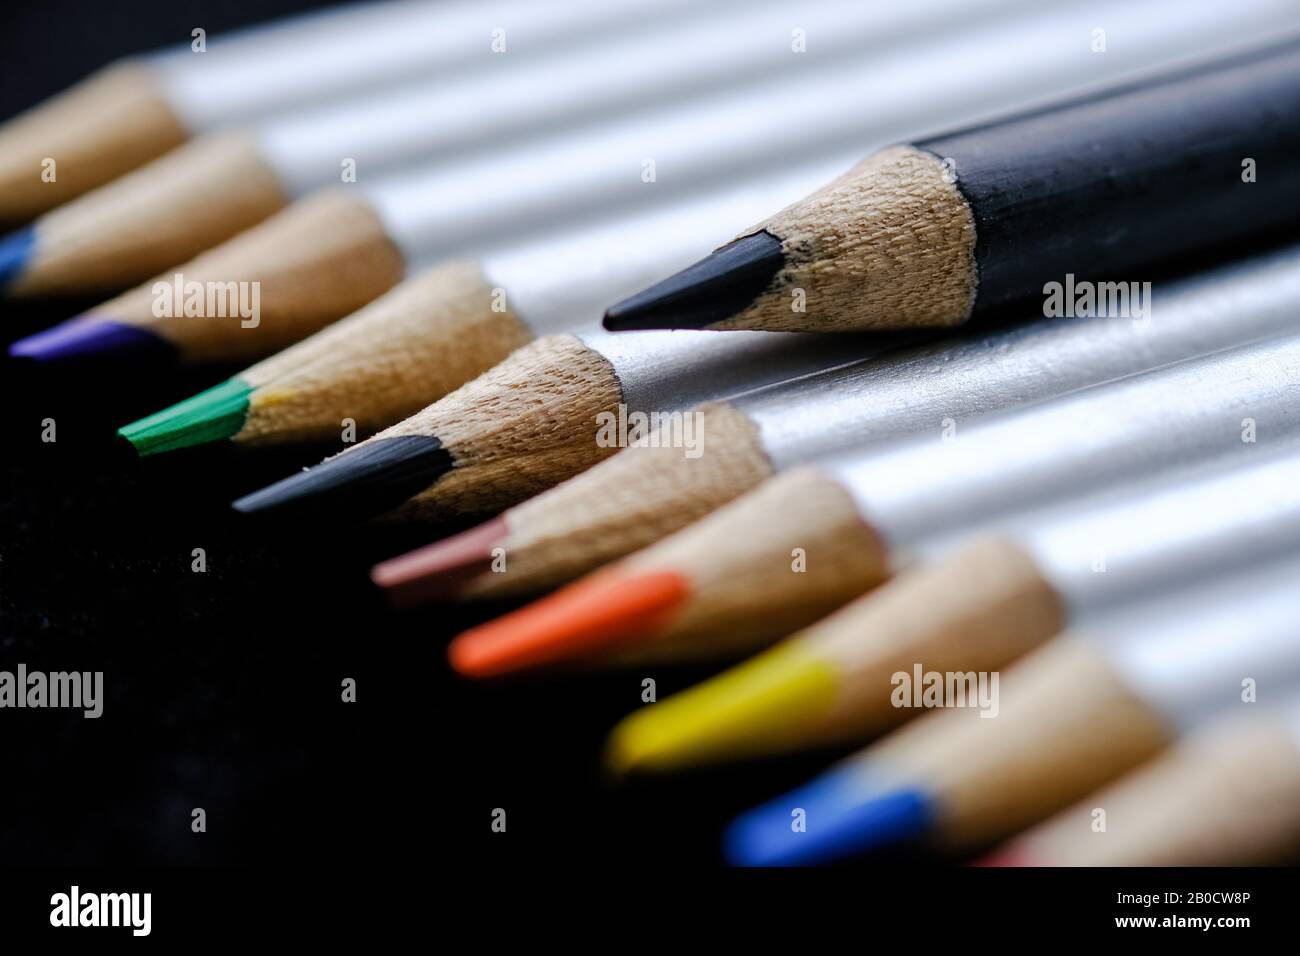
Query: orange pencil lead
{"x":592,"y":615}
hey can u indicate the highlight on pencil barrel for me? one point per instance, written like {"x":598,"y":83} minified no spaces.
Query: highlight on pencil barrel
{"x":135,"y":110}
{"x":646,"y":492}
{"x":1071,"y":717}
{"x":812,"y":538}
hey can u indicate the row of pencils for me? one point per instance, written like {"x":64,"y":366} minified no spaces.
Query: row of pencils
{"x":985,"y":449}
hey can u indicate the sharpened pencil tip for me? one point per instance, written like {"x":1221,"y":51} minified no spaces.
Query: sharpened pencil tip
{"x":826,"y":820}
{"x":88,"y":340}
{"x":753,"y":708}
{"x":435,"y":570}
{"x":364,"y":481}
{"x":15,"y":249}
{"x":717,"y":287}
{"x":209,"y":416}
{"x":600,"y":613}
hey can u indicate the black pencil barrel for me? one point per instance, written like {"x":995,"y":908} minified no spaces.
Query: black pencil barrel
{"x":1145,"y":175}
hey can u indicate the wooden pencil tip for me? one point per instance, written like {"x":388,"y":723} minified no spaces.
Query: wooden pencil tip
{"x":436,"y":570}
{"x":717,"y":287}
{"x":210,"y":416}
{"x":364,"y":481}
{"x":593,"y":615}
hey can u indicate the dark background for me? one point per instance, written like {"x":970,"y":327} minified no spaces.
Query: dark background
{"x":223,"y":688}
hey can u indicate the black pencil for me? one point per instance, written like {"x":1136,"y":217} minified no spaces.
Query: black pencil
{"x":934,"y":232}
{"x":534,"y":420}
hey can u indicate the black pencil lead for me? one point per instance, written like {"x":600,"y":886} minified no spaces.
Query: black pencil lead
{"x":715,"y":288}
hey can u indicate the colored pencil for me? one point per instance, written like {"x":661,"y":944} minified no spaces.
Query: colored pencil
{"x":321,"y":259}
{"x":135,"y":110}
{"x":1229,"y":795}
{"x":536,"y":419}
{"x":1070,"y":717}
{"x":977,"y":609}
{"x":643,"y":493}
{"x":941,"y":230}
{"x":438,"y":330}
{"x":159,"y":215}
{"x":813,"y":538}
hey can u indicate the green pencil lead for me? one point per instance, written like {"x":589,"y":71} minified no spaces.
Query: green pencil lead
{"x":213,"y":415}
